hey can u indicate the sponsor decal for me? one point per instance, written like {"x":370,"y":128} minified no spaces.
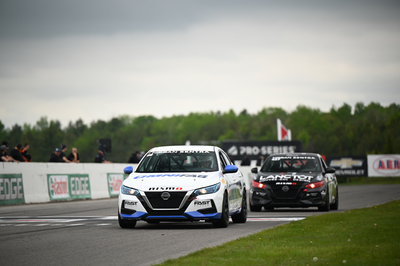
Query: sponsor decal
{"x":169,"y":175}
{"x":293,"y":158}
{"x":130,"y":205}
{"x":385,"y":165}
{"x":184,"y":151}
{"x":58,"y":186}
{"x":164,"y":188}
{"x":202,"y":204}
{"x":349,"y":165}
{"x":344,"y":163}
{"x":69,"y":186}
{"x":301,"y":178}
{"x":115,"y":183}
{"x":285,"y":184}
{"x":11,"y":189}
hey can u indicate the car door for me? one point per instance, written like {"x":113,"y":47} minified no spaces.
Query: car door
{"x":331,"y":179}
{"x":234,"y":183}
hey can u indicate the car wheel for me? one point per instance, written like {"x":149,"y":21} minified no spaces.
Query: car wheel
{"x":327,"y":205}
{"x":125,"y":223}
{"x":335,"y":205}
{"x":224,"y":221}
{"x":242,"y":216}
{"x":255,"y":208}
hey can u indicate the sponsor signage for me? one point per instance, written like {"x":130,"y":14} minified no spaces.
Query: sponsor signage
{"x":69,"y":186}
{"x":254,"y":149}
{"x":348,"y":165}
{"x":384,"y":165}
{"x":11,"y":189}
{"x":115,"y":183}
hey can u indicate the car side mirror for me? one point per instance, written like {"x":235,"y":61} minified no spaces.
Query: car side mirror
{"x":254,"y":170}
{"x":128,"y":170}
{"x":330,"y":170}
{"x":230,"y":169}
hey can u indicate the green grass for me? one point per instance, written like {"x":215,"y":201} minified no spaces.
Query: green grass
{"x":368,"y":180}
{"x":369,"y":236}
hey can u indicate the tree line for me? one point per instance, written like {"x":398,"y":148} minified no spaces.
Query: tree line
{"x":371,"y":129}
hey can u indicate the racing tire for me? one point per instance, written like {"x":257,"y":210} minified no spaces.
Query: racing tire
{"x":125,"y":223}
{"x":335,"y":206}
{"x":224,"y":221}
{"x":255,"y":208}
{"x":242,"y":216}
{"x":327,"y":205}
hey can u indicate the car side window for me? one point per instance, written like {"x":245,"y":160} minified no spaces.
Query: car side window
{"x":223,"y":162}
{"x":227,"y":159}
{"x":323,"y":164}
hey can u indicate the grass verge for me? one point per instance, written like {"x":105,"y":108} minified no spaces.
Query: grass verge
{"x":367,"y":236}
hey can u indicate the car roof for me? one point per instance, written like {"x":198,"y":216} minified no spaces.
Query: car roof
{"x":184,"y":148}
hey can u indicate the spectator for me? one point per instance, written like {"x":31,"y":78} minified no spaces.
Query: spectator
{"x":16,"y":154}
{"x":101,"y":156}
{"x":260,"y":160}
{"x":25,"y":153}
{"x":74,"y":156}
{"x":245,"y":161}
{"x":55,"y":156}
{"x":4,"y":157}
{"x":62,"y":154}
{"x":135,"y":158}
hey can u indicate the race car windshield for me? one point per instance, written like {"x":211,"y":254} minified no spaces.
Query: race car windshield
{"x":306,"y":164}
{"x":177,"y":161}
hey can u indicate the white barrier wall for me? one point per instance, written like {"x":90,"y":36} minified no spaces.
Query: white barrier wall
{"x":45,"y":182}
{"x":29,"y":182}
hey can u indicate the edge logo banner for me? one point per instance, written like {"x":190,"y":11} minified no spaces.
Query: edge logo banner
{"x":11,"y":189}
{"x":69,"y":186}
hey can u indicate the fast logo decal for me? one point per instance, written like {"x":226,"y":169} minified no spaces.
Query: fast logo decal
{"x":301,"y":178}
{"x":169,"y":175}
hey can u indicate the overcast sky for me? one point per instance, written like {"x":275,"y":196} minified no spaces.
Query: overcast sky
{"x":101,"y":59}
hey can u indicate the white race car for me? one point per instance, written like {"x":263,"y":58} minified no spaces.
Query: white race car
{"x":183,"y":183}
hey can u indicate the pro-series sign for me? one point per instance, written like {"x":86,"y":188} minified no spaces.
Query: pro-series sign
{"x":69,"y":186}
{"x":253,"y":149}
{"x":11,"y":189}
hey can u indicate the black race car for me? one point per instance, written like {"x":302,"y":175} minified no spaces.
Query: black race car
{"x":294,"y":180}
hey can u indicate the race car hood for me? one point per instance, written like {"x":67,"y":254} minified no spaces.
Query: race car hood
{"x":172,"y":181}
{"x":297,"y":177}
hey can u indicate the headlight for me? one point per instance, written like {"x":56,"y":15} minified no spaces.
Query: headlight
{"x":207,"y":190}
{"x":129,"y":191}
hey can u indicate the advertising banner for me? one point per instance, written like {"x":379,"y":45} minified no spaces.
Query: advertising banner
{"x":69,"y":186}
{"x":115,"y":182}
{"x":383,"y":165}
{"x":254,"y":149}
{"x":11,"y":189}
{"x":348,"y":165}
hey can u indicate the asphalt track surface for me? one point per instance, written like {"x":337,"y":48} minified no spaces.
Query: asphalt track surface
{"x":87,"y":232}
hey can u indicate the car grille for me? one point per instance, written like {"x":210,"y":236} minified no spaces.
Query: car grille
{"x":290,"y":194}
{"x":157,"y":202}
